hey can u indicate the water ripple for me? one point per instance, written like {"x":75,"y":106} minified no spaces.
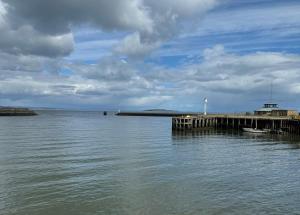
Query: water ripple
{"x":84,"y":163}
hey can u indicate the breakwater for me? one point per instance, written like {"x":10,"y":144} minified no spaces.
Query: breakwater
{"x":10,"y":111}
{"x":283,"y":124}
{"x":154,"y":113}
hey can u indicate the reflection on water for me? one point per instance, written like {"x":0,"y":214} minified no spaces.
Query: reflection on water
{"x":292,"y":140}
{"x":86,"y":163}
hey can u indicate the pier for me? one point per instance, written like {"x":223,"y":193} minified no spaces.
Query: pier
{"x":286,"y":124}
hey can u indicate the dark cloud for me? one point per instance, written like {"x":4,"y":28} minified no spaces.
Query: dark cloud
{"x":26,"y":41}
{"x":44,"y":27}
{"x":58,"y":16}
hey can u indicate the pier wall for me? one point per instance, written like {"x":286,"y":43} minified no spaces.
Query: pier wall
{"x":285,"y":124}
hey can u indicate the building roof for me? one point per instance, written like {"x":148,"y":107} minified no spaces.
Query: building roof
{"x":271,"y":109}
{"x":267,"y":109}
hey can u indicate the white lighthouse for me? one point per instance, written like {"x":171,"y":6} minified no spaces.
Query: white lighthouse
{"x":205,"y":106}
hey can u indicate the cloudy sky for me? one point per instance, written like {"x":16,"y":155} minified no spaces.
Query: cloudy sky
{"x":141,"y":54}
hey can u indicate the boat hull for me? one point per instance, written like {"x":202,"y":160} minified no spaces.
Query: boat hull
{"x":253,"y":130}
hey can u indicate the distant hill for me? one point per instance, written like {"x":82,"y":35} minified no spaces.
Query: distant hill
{"x":160,"y":110}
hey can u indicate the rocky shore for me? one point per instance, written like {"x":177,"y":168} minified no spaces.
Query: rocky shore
{"x":12,"y":111}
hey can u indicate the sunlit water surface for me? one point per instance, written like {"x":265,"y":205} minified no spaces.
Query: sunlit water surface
{"x":84,"y":163}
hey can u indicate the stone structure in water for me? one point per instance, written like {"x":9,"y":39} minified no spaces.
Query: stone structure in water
{"x":12,"y":111}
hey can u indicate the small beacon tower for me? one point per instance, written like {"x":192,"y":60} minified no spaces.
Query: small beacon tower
{"x":205,"y":106}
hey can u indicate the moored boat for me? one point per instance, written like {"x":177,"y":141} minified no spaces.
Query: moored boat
{"x":254,"y":130}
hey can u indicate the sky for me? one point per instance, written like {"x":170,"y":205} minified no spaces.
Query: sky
{"x":145,"y":54}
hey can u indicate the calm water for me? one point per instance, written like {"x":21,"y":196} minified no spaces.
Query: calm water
{"x":85,"y":163}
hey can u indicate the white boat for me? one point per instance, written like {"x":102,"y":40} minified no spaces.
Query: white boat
{"x":254,"y":130}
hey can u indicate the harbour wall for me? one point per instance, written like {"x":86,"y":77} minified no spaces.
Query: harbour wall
{"x":10,"y":111}
{"x":155,"y":113}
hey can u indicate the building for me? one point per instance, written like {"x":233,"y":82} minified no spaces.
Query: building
{"x":282,"y":112}
{"x":271,"y":109}
{"x":266,"y":109}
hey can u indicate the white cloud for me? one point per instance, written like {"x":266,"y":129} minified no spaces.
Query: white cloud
{"x":19,"y":64}
{"x":2,"y":13}
{"x":216,"y":51}
{"x":169,"y":19}
{"x":223,"y":77}
{"x":134,"y":47}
